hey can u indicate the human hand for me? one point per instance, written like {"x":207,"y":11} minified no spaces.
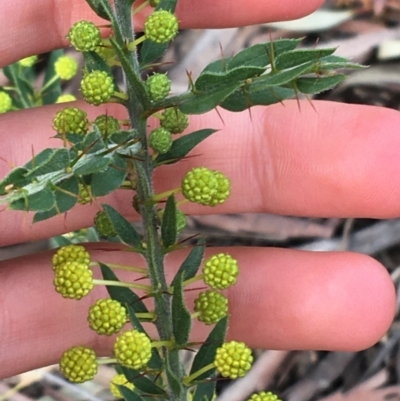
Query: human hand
{"x":336,"y":160}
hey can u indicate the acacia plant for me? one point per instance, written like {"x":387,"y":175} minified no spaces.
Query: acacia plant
{"x":97,"y":158}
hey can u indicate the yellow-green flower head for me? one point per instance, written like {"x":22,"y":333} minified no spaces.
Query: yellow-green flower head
{"x":65,"y":98}
{"x":84,"y":36}
{"x":107,"y":316}
{"x":97,"y":87}
{"x":66,"y":67}
{"x":107,"y":125}
{"x":174,"y":120}
{"x":264,"y":396}
{"x":161,"y":26}
{"x":71,"y":120}
{"x":159,"y":86}
{"x":211,"y":306}
{"x":119,"y":380}
{"x":73,"y":280}
{"x":104,"y":225}
{"x":70,"y":253}
{"x":220,"y":271}
{"x":233,"y":359}
{"x":85,"y":195}
{"x":79,"y":364}
{"x":132,"y":349}
{"x":5,"y":102}
{"x":28,"y":61}
{"x":160,"y":140}
{"x":206,"y":187}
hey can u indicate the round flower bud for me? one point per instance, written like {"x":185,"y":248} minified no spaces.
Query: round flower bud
{"x":71,"y":120}
{"x":132,"y":349}
{"x":104,"y":225}
{"x":160,"y":140}
{"x":233,"y":359}
{"x":84,"y":36}
{"x":159,"y":86}
{"x":154,"y":3}
{"x":220,"y":271}
{"x":224,"y":188}
{"x":264,"y":396}
{"x":174,"y":120}
{"x":84,"y":196}
{"x":5,"y":102}
{"x":73,"y":280}
{"x":66,"y":97}
{"x":28,"y":61}
{"x":107,"y":316}
{"x":66,"y":67}
{"x":119,"y":380}
{"x":211,"y":306}
{"x":97,"y":87}
{"x":205,"y":186}
{"x":70,"y":253}
{"x":161,"y":26}
{"x":107,"y":125}
{"x":79,"y":364}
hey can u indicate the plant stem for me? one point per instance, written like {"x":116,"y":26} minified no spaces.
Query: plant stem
{"x":148,"y":211}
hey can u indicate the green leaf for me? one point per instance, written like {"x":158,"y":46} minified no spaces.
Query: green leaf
{"x":123,"y":228}
{"x":137,"y":84}
{"x":93,"y":164}
{"x":297,"y":57}
{"x":64,"y":199}
{"x":181,"y":318}
{"x":333,"y":62}
{"x":191,"y":264}
{"x":256,"y":55}
{"x":16,"y":178}
{"x":242,"y":99}
{"x":207,"y":351}
{"x":93,"y":142}
{"x":183,"y":145}
{"x":122,"y":294}
{"x":199,"y":103}
{"x":53,"y":86}
{"x":107,"y":181}
{"x":94,"y":62}
{"x":211,"y":80}
{"x":173,"y":381}
{"x":279,"y":78}
{"x":24,"y":88}
{"x":39,"y":201}
{"x":217,"y":66}
{"x":280,"y":46}
{"x":103,"y":11}
{"x":48,"y":161}
{"x":168,"y":5}
{"x":204,"y":391}
{"x":142,"y":382}
{"x":169,"y":232}
{"x":318,"y":85}
{"x":128,"y":394}
{"x":150,"y":52}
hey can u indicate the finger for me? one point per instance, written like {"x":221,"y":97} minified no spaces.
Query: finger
{"x":330,"y":160}
{"x":291,"y":300}
{"x":40,"y":26}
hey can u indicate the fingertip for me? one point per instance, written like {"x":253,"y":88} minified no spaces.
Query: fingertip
{"x":304,"y":300}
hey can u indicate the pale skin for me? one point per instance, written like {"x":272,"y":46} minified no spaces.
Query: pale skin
{"x":333,"y":160}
